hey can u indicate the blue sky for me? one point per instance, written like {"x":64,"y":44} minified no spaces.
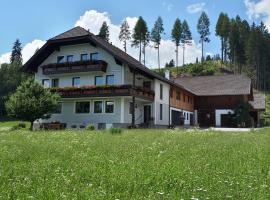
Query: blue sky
{"x":32,"y":19}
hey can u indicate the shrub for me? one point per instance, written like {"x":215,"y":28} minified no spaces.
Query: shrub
{"x":115,"y":131}
{"x":90,"y":127}
{"x":22,"y":125}
{"x":15,"y":127}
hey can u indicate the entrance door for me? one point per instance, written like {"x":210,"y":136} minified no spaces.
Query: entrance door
{"x":147,"y":113}
{"x":191,"y":119}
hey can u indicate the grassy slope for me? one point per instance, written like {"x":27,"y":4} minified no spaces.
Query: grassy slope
{"x":196,"y":69}
{"x":139,"y":164}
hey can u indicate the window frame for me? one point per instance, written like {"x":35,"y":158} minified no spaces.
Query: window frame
{"x":43,"y":81}
{"x":105,"y":104}
{"x":52,"y":82}
{"x":161,"y":112}
{"x":99,"y":77}
{"x":101,"y":106}
{"x":161,"y":91}
{"x":91,"y":56}
{"x":76,"y":77}
{"x":84,"y":113}
{"x":84,"y":54}
{"x":109,"y":75}
{"x":61,"y":109}
{"x":68,"y":56}
{"x":178,"y":96}
{"x":63,"y":58}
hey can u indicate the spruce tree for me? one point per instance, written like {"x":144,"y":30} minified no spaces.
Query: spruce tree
{"x":139,"y":35}
{"x":156,"y":33}
{"x":186,"y":38}
{"x":124,"y":34}
{"x":104,"y":31}
{"x":176,"y":38}
{"x":16,"y":54}
{"x":203,"y":30}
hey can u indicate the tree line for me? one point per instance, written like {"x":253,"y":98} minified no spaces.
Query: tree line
{"x":245,"y":48}
{"x":141,"y":36}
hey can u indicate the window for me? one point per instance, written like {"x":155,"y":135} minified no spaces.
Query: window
{"x":109,"y":107}
{"x":161,"y":91}
{"x":178,"y":96}
{"x":70,"y":58}
{"x":76,"y":81}
{"x":187,"y":116}
{"x":184,"y":98}
{"x":46,"y":83}
{"x":171,"y":93}
{"x":55,"y":82}
{"x":98,"y":80}
{"x":188,"y":99}
{"x":94,"y":56}
{"x":160,"y":111}
{"x":82,"y":107}
{"x":84,"y":57}
{"x":109,"y":79}
{"x":58,"y":109}
{"x":60,"y":59}
{"x":97,"y":106}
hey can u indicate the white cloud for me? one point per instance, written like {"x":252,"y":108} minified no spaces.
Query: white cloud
{"x":168,"y":6}
{"x":259,"y":10}
{"x":92,"y":20}
{"x":4,"y":58}
{"x":28,"y":50}
{"x":195,"y":8}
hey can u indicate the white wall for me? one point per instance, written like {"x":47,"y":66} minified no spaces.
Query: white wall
{"x":218,"y":114}
{"x":164,"y":102}
{"x":86,"y":78}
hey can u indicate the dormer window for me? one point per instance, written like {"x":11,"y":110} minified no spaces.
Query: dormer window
{"x":94,"y":56}
{"x":70,"y":58}
{"x":84,"y":57}
{"x":60,"y":59}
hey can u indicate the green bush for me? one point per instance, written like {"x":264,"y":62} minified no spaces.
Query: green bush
{"x":115,"y":131}
{"x":22,"y":125}
{"x":90,"y":127}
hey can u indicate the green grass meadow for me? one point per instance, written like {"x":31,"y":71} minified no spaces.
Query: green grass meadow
{"x":137,"y":164}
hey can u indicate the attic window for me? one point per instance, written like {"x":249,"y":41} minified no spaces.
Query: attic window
{"x":118,"y":62}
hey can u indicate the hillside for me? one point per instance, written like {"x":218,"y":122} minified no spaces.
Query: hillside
{"x":198,"y":69}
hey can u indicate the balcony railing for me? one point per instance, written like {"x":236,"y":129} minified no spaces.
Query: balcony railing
{"x":105,"y":91}
{"x":77,"y":66}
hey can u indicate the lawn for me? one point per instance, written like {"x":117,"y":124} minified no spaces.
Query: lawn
{"x":137,"y":164}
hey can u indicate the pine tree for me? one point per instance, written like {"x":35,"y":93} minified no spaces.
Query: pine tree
{"x":203,"y":30}
{"x":186,"y":38}
{"x":219,"y":32}
{"x":104,"y":31}
{"x":145,"y":42}
{"x":125,"y":34}
{"x":16,"y":54}
{"x":139,"y":35}
{"x":156,"y":35}
{"x":176,"y":38}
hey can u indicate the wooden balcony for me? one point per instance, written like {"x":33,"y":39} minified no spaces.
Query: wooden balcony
{"x":77,"y":66}
{"x":105,"y":91}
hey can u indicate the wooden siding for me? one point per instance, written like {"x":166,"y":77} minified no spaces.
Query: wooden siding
{"x":186,"y":101}
{"x":219,"y":102}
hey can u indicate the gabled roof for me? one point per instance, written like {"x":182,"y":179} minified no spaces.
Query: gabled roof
{"x":258,"y":102}
{"x":74,"y":32}
{"x":216,"y":85}
{"x":79,"y":35}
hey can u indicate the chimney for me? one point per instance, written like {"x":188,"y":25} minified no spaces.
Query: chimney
{"x":167,"y":74}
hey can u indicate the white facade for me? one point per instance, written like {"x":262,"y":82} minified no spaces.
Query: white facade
{"x":122,"y":75}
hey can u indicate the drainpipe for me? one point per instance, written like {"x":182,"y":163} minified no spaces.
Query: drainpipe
{"x":133,"y":102}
